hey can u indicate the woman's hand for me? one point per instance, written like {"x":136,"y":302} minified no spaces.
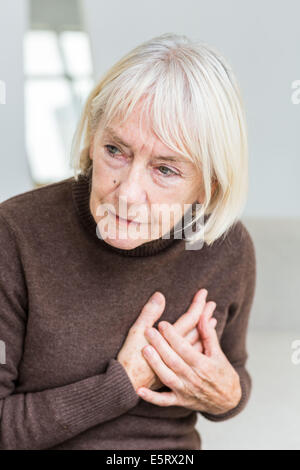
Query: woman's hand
{"x":202,"y":381}
{"x":130,"y":355}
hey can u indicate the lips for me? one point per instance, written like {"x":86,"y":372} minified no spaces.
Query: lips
{"x":126,"y":220}
{"x":119,"y":217}
{"x":129,"y":221}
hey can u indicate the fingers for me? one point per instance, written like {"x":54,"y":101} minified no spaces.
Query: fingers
{"x":193,"y":336}
{"x":190,"y":319}
{"x":152,"y":310}
{"x":197,"y":343}
{"x":198,"y":346}
{"x":158,"y":398}
{"x":170,"y":358}
{"x":208,"y":334}
{"x":178,"y":344}
{"x":206,"y":316}
{"x":189,"y":324}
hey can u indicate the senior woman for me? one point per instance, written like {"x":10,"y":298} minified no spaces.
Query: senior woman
{"x":110,"y":339}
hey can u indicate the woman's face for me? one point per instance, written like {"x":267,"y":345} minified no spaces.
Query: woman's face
{"x":138,"y":177}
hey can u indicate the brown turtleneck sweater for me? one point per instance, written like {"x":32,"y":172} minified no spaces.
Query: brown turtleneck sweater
{"x":67,"y":301}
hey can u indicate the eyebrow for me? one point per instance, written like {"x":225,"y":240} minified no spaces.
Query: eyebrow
{"x":118,"y":139}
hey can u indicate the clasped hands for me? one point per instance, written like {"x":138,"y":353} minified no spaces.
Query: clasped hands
{"x":186,"y":357}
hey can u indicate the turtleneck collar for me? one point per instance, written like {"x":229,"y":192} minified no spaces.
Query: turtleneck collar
{"x":81,"y":190}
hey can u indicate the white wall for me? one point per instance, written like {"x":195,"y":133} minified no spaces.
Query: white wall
{"x":262,"y":42}
{"x":277,"y":246}
{"x":14,"y":175}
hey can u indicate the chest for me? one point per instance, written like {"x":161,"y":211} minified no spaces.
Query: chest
{"x":76,"y":325}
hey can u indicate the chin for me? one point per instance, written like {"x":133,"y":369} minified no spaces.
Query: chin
{"x":124,"y":244}
{"x":120,"y":236}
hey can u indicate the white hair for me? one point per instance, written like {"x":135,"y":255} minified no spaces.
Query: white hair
{"x":196,"y":109}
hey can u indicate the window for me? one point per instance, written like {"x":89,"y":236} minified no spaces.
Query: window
{"x":58,"y":78}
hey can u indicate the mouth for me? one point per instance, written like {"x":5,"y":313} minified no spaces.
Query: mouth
{"x":125,"y":221}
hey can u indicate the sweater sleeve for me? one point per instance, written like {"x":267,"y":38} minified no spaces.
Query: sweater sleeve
{"x":233,"y":339}
{"x":43,"y":419}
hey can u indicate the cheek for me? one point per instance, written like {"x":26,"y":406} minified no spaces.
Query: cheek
{"x":103,"y":176}
{"x":166,"y":209}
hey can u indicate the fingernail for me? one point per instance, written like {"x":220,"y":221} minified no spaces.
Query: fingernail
{"x":156,"y":298}
{"x":204,"y":293}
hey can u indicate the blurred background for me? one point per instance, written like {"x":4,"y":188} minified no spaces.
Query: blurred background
{"x":51,"y":54}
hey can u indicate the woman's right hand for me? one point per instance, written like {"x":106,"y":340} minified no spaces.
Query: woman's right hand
{"x":130,"y":355}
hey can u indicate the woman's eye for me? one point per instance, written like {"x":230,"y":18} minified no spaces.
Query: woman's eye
{"x":109,"y":149}
{"x":166,"y":171}
{"x":169,"y":171}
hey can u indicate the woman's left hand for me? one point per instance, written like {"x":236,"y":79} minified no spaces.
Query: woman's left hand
{"x":203,"y":381}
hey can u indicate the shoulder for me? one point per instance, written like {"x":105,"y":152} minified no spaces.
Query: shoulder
{"x":24,"y":207}
{"x":235,"y":243}
{"x":239,"y":242}
{"x":240,"y":250}
{"x":42,"y":193}
{"x":234,"y":254}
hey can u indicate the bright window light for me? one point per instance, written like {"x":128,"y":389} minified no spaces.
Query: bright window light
{"x":42,"y":53}
{"x":77,"y":52}
{"x":50,"y":123}
{"x":58,"y":72}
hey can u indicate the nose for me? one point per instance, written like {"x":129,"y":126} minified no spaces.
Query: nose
{"x":132,"y":187}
